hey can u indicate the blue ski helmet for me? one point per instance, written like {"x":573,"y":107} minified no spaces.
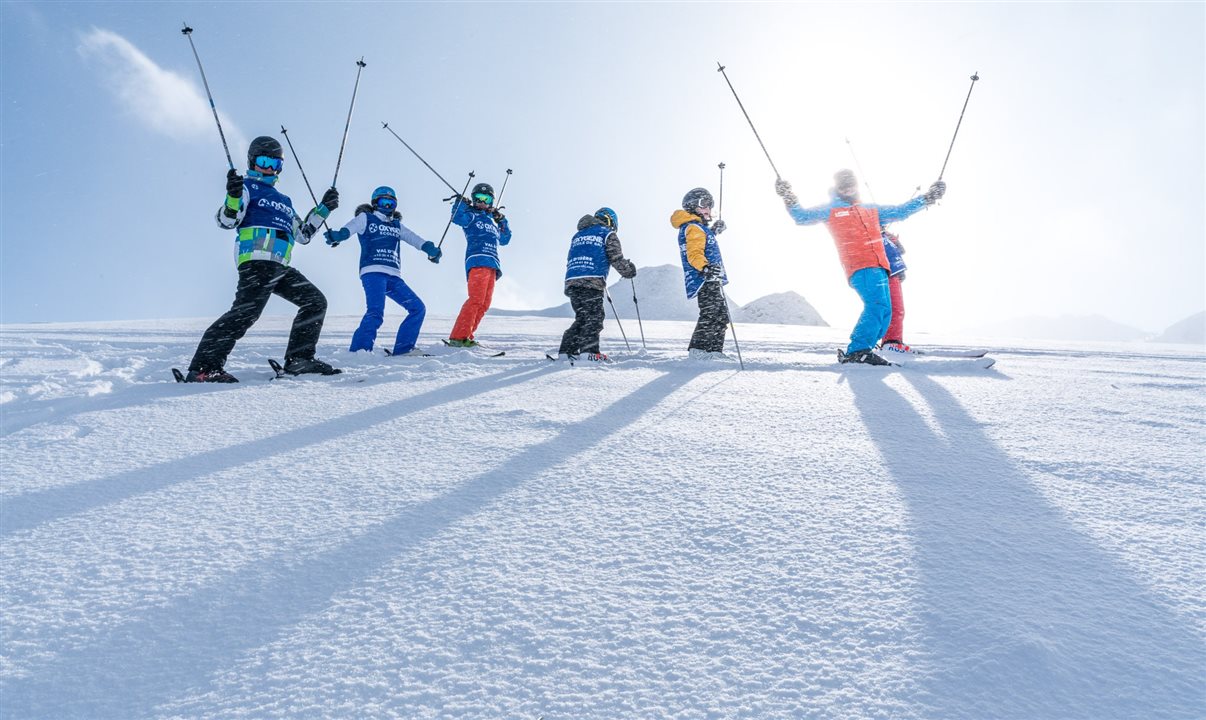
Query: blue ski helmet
{"x":608,"y":217}
{"x":385,"y":199}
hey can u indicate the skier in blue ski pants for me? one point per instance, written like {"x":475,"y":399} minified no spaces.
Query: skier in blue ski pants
{"x":377,"y":287}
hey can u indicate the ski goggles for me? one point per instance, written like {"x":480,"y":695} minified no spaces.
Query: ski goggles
{"x":387,"y":203}
{"x":264,"y":162}
{"x":704,"y":202}
{"x":483,"y":198}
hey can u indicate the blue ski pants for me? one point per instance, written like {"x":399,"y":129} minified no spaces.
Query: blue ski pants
{"x":872,"y":287}
{"x":377,"y":287}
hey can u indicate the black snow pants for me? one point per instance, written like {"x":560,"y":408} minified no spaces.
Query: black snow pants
{"x":583,"y":335}
{"x":259,"y":280}
{"x":713,"y":319}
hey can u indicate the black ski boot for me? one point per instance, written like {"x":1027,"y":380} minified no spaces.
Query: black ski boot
{"x":865,"y":357}
{"x":305,"y":366}
{"x":214,"y":376}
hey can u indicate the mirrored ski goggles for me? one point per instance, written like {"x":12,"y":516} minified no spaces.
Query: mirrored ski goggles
{"x":385,"y":202}
{"x":264,"y":162}
{"x":483,"y":198}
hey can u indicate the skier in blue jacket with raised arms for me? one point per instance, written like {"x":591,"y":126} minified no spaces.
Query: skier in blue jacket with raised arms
{"x":485,"y":229}
{"x":267,"y":228}
{"x":379,"y":227}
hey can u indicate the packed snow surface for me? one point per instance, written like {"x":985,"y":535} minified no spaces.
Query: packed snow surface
{"x":460,"y":537}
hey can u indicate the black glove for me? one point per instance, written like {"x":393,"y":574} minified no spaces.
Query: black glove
{"x":719,"y":227}
{"x":626,"y":269}
{"x":498,"y":217}
{"x":234,"y":183}
{"x":935,"y":193}
{"x":712,"y":272}
{"x":331,"y":198}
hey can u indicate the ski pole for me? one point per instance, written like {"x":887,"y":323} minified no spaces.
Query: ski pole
{"x":188,"y":33}
{"x":732,"y":326}
{"x":360,"y":65}
{"x":719,"y":212}
{"x":303,"y":172}
{"x":857,"y":164}
{"x":613,"y":312}
{"x":455,"y":199}
{"x":386,"y":126}
{"x":498,"y":200}
{"x":975,"y":76}
{"x":637,"y":305}
{"x":720,"y":205}
{"x":720,"y":69}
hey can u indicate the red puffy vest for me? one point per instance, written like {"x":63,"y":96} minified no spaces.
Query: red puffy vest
{"x":856,"y":233}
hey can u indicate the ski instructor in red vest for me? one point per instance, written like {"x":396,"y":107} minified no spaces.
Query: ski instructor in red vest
{"x":856,"y":232}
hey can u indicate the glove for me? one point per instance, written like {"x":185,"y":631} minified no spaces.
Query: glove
{"x":783,"y":188}
{"x":498,"y":217}
{"x":234,"y":183}
{"x":334,"y":237}
{"x":331,"y":198}
{"x":712,"y":272}
{"x":935,"y":193}
{"x":626,"y":269}
{"x":719,"y":227}
{"x":433,"y":253}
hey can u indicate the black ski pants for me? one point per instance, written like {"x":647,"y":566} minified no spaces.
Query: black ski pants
{"x":713,"y":319}
{"x":583,"y":335}
{"x":259,"y":280}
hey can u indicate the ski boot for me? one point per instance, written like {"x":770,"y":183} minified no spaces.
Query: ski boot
{"x":306,"y":366}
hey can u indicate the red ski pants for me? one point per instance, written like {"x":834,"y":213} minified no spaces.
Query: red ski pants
{"x":481,"y":291}
{"x":896,"y":328}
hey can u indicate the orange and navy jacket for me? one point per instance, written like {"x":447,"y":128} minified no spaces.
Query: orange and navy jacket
{"x":697,"y":248}
{"x":856,"y":228}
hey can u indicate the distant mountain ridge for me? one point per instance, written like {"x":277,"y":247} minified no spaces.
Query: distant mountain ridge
{"x":1191,"y":330}
{"x":661,"y":296}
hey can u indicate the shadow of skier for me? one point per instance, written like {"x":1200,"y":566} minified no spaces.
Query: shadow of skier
{"x":135,"y":667}
{"x":1024,"y":615}
{"x":32,"y":509}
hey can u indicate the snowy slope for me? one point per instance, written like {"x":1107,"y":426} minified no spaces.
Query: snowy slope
{"x":471,"y":538}
{"x":1062,"y":328}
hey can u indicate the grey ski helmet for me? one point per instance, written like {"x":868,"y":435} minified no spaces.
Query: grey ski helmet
{"x":697,"y":198}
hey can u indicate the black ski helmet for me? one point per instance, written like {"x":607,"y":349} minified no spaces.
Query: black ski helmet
{"x":697,"y":198}
{"x":264,"y":145}
{"x":483,"y":189}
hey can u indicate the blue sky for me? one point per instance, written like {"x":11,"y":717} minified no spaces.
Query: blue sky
{"x":1076,"y":185}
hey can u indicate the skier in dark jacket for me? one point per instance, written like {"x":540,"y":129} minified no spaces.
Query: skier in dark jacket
{"x":267,"y":228}
{"x":703,"y":273}
{"x":594,"y":251}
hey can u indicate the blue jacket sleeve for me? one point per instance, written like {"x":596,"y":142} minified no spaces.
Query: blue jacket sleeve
{"x":810,"y":216}
{"x":892,"y":213}
{"x":460,"y":213}
{"x":504,"y":232}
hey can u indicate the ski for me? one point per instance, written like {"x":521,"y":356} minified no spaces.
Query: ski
{"x":412,"y":353}
{"x":177,"y":374}
{"x":485,"y":352}
{"x":276,"y":368}
{"x":952,"y":353}
{"x":933,"y":362}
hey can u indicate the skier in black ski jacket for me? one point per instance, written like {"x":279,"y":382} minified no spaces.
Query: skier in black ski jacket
{"x":594,"y":250}
{"x":267,"y":228}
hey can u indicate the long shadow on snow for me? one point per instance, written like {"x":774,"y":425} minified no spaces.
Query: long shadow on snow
{"x":33,"y":509}
{"x":177,"y":648}
{"x":1025,"y":617}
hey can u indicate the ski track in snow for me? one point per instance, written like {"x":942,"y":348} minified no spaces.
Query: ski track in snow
{"x":457,"y":536}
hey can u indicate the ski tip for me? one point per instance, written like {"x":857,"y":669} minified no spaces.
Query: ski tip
{"x":178,"y":375}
